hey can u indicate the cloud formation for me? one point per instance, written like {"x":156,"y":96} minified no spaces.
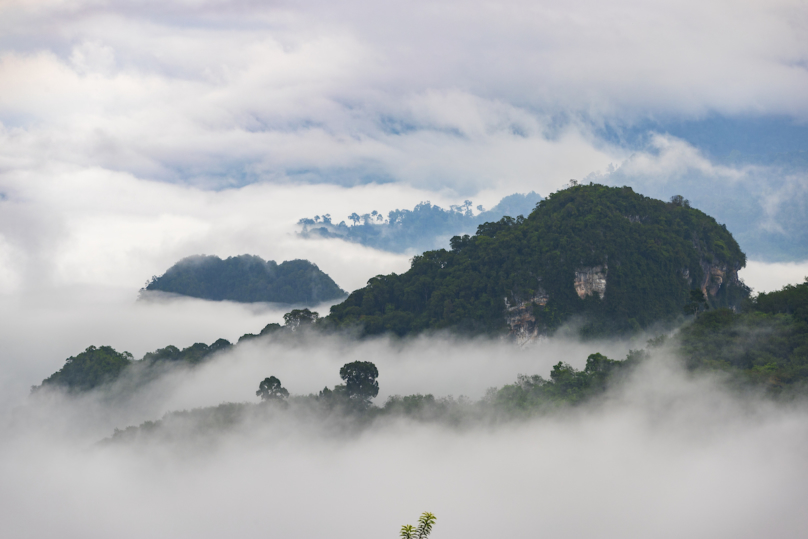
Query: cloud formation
{"x":763,"y":205}
{"x":467,"y":95}
{"x":666,"y":455}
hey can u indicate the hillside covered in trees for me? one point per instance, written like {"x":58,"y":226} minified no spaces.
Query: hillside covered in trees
{"x":424,"y":227}
{"x":615,"y":259}
{"x":247,"y":279}
{"x":766,"y":343}
{"x":764,"y":347}
{"x":97,"y":366}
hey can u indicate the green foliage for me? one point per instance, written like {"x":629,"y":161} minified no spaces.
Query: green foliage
{"x":566,"y":385}
{"x":425,"y":524}
{"x":268,"y":329}
{"x":196,"y":353}
{"x":698,"y":303}
{"x":360,"y":387}
{"x":300,"y":317}
{"x":97,"y":366}
{"x":792,"y":299}
{"x":766,"y":345}
{"x":654,"y":251}
{"x":89,"y":369}
{"x":360,"y":380}
{"x":248,"y":278}
{"x":270,"y":389}
{"x":679,"y":200}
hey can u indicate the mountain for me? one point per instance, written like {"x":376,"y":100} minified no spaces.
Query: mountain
{"x":422,"y":228}
{"x":614,"y":259}
{"x":247,"y":279}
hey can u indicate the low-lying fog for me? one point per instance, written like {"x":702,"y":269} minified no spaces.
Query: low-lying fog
{"x":666,"y":455}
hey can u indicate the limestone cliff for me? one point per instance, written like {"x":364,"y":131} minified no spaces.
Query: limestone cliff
{"x":521,"y":320}
{"x":590,"y":281}
{"x":716,"y":275}
{"x":520,"y":315}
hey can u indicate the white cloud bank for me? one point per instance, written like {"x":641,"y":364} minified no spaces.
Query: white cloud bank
{"x":667,"y":456}
{"x":466,"y":95}
{"x":770,"y":276}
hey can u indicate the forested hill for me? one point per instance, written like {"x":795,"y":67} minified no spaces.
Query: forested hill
{"x":766,"y":345}
{"x":247,"y":279}
{"x":617,"y":259}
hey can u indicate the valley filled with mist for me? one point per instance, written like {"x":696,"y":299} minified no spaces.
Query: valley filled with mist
{"x":662,"y":446}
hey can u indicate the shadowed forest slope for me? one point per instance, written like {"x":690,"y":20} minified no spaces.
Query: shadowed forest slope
{"x":248,"y":279}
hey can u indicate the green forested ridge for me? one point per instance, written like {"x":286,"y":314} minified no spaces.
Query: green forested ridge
{"x":91,"y":368}
{"x":247,"y":279}
{"x":757,"y":347}
{"x":195,"y":353}
{"x":566,"y":384}
{"x":654,"y":252}
{"x":792,"y":299}
{"x":97,"y":366}
{"x":766,"y":344}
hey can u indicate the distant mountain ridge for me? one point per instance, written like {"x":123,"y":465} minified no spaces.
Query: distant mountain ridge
{"x":248,"y":279}
{"x":424,"y":227}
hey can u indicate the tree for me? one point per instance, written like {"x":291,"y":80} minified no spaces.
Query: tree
{"x":360,"y":380}
{"x":697,"y":303}
{"x":679,"y":200}
{"x":300,"y":317}
{"x":270,"y":389}
{"x":425,"y":524}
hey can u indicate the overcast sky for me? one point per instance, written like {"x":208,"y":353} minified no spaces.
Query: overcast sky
{"x":132,"y":133}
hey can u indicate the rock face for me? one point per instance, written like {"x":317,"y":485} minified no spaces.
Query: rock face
{"x":521,"y":320}
{"x":590,"y":281}
{"x":715,"y":275}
